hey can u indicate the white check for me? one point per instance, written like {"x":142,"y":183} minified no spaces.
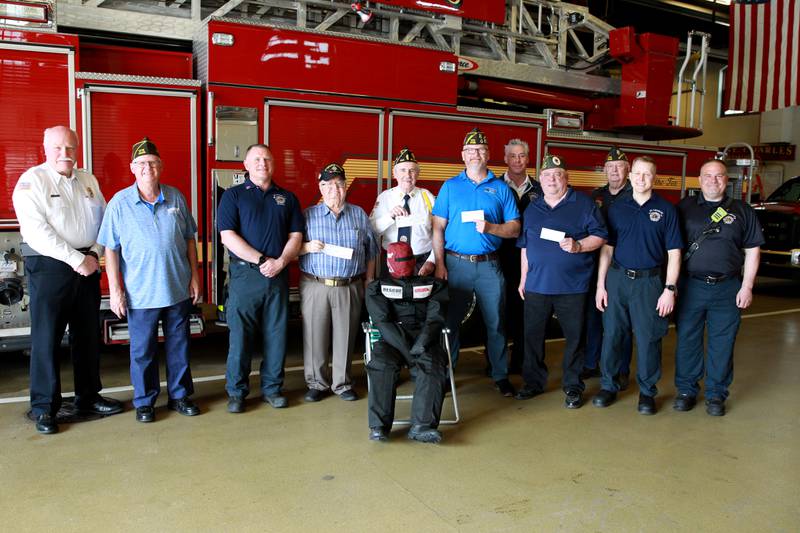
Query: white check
{"x":411,"y":220}
{"x":338,"y":251}
{"x":472,"y":216}
{"x":552,"y":235}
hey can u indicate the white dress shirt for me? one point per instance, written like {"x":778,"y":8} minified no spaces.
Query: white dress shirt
{"x":386,"y":226}
{"x":58,"y":214}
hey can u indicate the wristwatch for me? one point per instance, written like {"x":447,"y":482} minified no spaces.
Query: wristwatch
{"x":262,"y":259}
{"x":670,"y":287}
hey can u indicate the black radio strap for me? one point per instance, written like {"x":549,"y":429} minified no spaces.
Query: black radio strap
{"x":710,"y":229}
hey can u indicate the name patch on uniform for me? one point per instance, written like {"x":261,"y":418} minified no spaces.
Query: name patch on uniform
{"x":279,"y":199}
{"x":656,"y":214}
{"x":392,"y":291}
{"x":422,"y":291}
{"x":718,"y":215}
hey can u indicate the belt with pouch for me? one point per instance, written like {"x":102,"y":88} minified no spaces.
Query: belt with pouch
{"x":491,"y":256}
{"x":636,"y":274}
{"x":333,"y":282}
{"x":713,"y":280}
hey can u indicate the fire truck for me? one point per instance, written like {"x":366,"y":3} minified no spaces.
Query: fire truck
{"x":319,"y":87}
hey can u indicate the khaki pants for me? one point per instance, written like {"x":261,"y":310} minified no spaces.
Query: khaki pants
{"x":330,"y":326}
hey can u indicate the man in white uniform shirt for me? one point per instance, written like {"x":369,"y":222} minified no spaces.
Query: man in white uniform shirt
{"x":403,"y":213}
{"x":59,"y":209}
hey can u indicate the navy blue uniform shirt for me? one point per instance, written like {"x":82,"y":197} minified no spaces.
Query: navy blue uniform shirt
{"x":719,"y":253}
{"x":551,"y":270}
{"x":262,"y":218}
{"x":642,"y":234}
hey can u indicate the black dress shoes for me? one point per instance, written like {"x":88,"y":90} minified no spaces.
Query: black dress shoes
{"x":277,"y":400}
{"x":684,"y":402}
{"x":184,"y":406}
{"x":101,"y":406}
{"x":378,"y":435}
{"x":526,"y":393}
{"x":313,"y":395}
{"x":604,"y":398}
{"x":715,"y":406}
{"x":647,"y":405}
{"x":235,"y":405}
{"x":46,"y":424}
{"x":349,"y":395}
{"x":574,"y":399}
{"x":424,"y":434}
{"x":145,"y":414}
{"x":505,"y":387}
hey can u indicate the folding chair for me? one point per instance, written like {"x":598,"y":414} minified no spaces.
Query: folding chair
{"x":372,"y":335}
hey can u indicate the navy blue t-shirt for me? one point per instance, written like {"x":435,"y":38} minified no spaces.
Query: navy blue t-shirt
{"x":551,"y":270}
{"x":262,"y":218}
{"x":642,"y":234}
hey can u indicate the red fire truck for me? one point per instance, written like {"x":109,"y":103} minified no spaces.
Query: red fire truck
{"x":314,"y":97}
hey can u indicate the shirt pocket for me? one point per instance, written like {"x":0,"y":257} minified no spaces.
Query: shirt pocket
{"x":95,"y":210}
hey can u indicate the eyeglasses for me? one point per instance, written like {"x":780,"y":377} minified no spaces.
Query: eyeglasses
{"x":473,"y":151}
{"x":141,"y":164}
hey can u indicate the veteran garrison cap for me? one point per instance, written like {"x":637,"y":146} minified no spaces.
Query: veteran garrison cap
{"x":615,"y":154}
{"x":331,"y":171}
{"x":553,"y":161}
{"x":405,"y":156}
{"x":475,"y":136}
{"x":144,"y":147}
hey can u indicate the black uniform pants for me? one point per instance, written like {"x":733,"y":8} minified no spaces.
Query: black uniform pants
{"x":383,"y":370}
{"x":570,"y":310}
{"x":60,"y":296}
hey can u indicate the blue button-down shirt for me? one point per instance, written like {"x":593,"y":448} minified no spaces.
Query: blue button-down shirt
{"x":551,"y":270}
{"x":642,"y":234}
{"x":350,"y":229}
{"x":492,"y":196}
{"x":151,"y":241}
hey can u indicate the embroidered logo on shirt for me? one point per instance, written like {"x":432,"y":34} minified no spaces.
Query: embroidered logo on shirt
{"x":279,"y":199}
{"x":730,"y":218}
{"x":656,"y":214}
{"x":89,"y":192}
{"x":490,"y":190}
{"x":422,"y":291}
{"x":392,"y":291}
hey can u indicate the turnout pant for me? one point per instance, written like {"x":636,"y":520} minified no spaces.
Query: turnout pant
{"x":384,"y":371}
{"x":60,"y":296}
{"x":143,"y":328}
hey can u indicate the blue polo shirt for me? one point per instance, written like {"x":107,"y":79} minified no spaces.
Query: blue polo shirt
{"x":642,"y":234}
{"x":492,"y":195}
{"x":551,"y":270}
{"x":151,"y":242}
{"x":263,"y":219}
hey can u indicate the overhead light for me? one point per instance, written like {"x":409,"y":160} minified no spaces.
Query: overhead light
{"x":222,"y":39}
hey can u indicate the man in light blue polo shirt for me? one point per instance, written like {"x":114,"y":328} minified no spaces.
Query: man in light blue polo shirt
{"x":473,"y":213}
{"x":149,"y":235}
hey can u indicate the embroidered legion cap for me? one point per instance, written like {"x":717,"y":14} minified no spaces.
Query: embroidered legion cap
{"x":144,"y":147}
{"x":475,"y":136}
{"x":553,"y":161}
{"x":331,"y":171}
{"x":405,"y":156}
{"x":615,"y":154}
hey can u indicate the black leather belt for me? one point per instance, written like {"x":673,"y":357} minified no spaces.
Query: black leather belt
{"x":713,"y":280}
{"x":27,"y":251}
{"x":636,"y":274}
{"x":333,"y":282}
{"x":473,"y":258}
{"x":246,"y":263}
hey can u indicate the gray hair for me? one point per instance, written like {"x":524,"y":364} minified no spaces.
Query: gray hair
{"x":517,"y":142}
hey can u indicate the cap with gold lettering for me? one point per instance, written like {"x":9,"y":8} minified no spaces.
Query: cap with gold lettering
{"x":331,"y":171}
{"x":144,"y":147}
{"x":475,"y":136}
{"x":553,"y":161}
{"x":405,"y":156}
{"x":615,"y":154}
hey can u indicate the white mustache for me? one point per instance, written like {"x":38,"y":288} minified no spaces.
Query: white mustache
{"x":65,"y":159}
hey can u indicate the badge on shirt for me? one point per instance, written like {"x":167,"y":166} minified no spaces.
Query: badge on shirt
{"x":89,"y":193}
{"x":392,"y":291}
{"x":490,"y":190}
{"x":730,"y":218}
{"x":279,"y":199}
{"x":656,"y":214}
{"x":422,"y":291}
{"x":718,"y":215}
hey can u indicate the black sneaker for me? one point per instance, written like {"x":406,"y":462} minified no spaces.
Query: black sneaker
{"x":505,"y":387}
{"x":574,"y":399}
{"x":715,"y":406}
{"x":647,"y":405}
{"x":604,"y":398}
{"x":684,"y":402}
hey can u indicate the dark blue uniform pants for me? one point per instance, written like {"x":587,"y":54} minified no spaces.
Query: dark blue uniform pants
{"x":143,"y":329}
{"x":594,"y":338}
{"x":632,"y":306}
{"x":257,"y":307}
{"x":569,"y":309}
{"x":713,"y":307}
{"x":384,"y":370}
{"x":60,"y":296}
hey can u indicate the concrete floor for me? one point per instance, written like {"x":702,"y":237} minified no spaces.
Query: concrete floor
{"x":509,"y":466}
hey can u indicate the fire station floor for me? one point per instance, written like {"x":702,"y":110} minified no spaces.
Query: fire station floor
{"x":508,"y":466}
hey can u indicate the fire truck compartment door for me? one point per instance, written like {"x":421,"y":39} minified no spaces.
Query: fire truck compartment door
{"x":237,"y":128}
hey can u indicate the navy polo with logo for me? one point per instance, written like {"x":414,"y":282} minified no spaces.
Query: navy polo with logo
{"x":262,"y":218}
{"x":642,"y":234}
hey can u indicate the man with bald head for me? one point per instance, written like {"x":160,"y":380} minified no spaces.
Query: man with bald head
{"x":59,"y":209}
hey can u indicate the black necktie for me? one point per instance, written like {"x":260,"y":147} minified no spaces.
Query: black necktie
{"x":404,"y":234}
